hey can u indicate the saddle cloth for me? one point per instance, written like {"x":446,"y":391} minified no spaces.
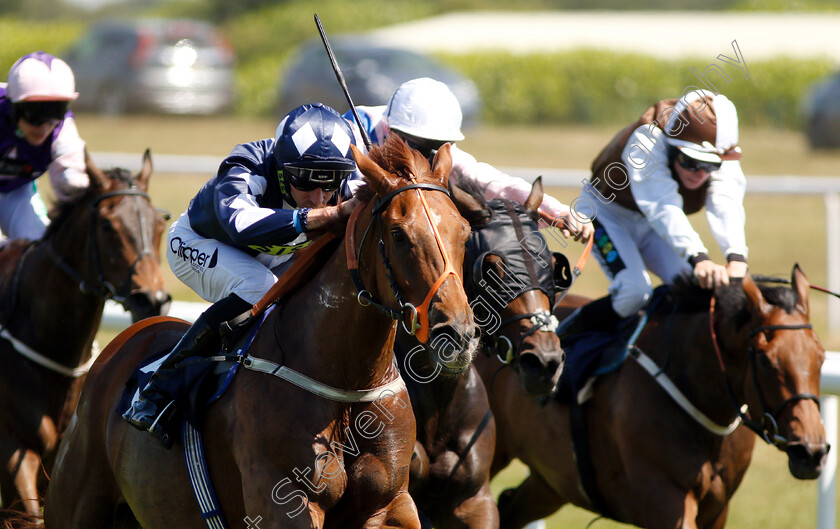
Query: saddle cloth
{"x":590,"y":355}
{"x":199,"y":380}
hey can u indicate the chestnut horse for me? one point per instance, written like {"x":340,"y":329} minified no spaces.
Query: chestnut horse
{"x":278,"y":453}
{"x":103,"y":244}
{"x":450,"y":472}
{"x":658,"y":464}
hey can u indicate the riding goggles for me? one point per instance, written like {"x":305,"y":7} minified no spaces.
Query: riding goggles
{"x":37,"y":113}
{"x":309,"y":179}
{"x":428,"y":148}
{"x":692,"y":164}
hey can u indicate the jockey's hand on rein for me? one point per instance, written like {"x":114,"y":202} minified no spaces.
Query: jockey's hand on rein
{"x":328,"y":218}
{"x":736,"y":269}
{"x":710,"y":274}
{"x":570,"y":225}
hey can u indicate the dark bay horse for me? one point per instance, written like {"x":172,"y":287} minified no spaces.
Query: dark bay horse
{"x":103,"y":244}
{"x":450,"y":473}
{"x":654,"y":464}
{"x":275,"y":451}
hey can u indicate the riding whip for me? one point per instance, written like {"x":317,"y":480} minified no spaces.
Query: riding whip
{"x":343,"y":84}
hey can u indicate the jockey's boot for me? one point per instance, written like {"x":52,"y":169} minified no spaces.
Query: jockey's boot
{"x":154,"y":401}
{"x":147,"y":411}
{"x":596,"y":316}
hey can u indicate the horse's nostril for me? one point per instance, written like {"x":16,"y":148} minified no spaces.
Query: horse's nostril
{"x":808,"y":454}
{"x":530,"y":363}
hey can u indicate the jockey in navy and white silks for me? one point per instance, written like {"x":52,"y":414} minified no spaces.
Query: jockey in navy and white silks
{"x":249,"y":219}
{"x":244,"y":225}
{"x":37,"y":134}
{"x":426,"y":114}
{"x":677,"y":158}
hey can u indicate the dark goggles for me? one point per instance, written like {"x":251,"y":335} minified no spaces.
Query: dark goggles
{"x":428,"y":148}
{"x":309,"y":179}
{"x":692,"y":164}
{"x":39,"y":112}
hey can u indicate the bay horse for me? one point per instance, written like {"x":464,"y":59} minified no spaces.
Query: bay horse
{"x":103,"y":244}
{"x":450,"y":471}
{"x":658,"y":464}
{"x":278,"y":453}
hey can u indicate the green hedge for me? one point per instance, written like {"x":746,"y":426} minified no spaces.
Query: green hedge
{"x":575,"y":87}
{"x":599,"y":87}
{"x":18,"y":37}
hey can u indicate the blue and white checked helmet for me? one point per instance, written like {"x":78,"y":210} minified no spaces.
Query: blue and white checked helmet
{"x":312,"y":146}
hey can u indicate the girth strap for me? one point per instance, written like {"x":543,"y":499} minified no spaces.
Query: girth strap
{"x":319,"y":388}
{"x":200,"y":480}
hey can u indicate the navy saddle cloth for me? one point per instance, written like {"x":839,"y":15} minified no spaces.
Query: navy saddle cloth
{"x":199,"y":380}
{"x":596,"y":353}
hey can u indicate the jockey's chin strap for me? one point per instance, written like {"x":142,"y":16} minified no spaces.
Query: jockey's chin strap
{"x":417,"y":317}
{"x":767,"y":427}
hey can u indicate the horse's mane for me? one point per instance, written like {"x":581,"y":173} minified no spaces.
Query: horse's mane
{"x":476,"y":190}
{"x":731,"y":300}
{"x":61,"y":210}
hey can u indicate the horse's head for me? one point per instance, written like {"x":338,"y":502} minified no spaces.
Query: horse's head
{"x":785,"y":359}
{"x":123,"y":240}
{"x":509,"y":275}
{"x":414,"y":267}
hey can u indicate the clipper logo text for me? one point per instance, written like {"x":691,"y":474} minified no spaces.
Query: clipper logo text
{"x":199,"y":260}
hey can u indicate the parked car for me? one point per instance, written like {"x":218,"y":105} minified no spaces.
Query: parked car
{"x":821,"y":113}
{"x":169,"y":66}
{"x":372,"y":73}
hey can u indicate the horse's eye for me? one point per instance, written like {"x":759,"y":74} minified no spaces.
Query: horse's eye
{"x":398,"y":235}
{"x":763,"y":360}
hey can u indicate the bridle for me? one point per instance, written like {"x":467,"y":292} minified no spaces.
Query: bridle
{"x":101,"y":286}
{"x":414,"y":319}
{"x":496,"y":342}
{"x":767,"y":427}
{"x":501,"y":345}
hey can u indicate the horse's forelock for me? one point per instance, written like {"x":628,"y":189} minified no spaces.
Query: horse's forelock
{"x":397,"y":158}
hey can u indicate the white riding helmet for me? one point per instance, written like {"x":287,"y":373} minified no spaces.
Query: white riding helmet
{"x":704,"y":126}
{"x":41,"y":77}
{"x":427,"y":109}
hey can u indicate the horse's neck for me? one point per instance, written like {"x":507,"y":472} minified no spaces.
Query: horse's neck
{"x":327,"y":334}
{"x":53,"y":315}
{"x":691,"y":360}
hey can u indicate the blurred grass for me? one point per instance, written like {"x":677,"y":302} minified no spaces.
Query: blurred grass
{"x":780,"y":231}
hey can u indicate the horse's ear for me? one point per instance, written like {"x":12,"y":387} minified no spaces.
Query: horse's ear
{"x":755,"y":297}
{"x":377,"y":178}
{"x":142,"y":178}
{"x":469,"y":208}
{"x":535,"y":198}
{"x":442,"y":164}
{"x":98,"y":179}
{"x":801,"y":285}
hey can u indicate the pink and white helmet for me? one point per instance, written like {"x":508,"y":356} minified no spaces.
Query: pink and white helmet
{"x":41,"y":77}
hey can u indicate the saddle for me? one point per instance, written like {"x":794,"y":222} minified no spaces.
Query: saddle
{"x":592,"y":354}
{"x":202,"y":380}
